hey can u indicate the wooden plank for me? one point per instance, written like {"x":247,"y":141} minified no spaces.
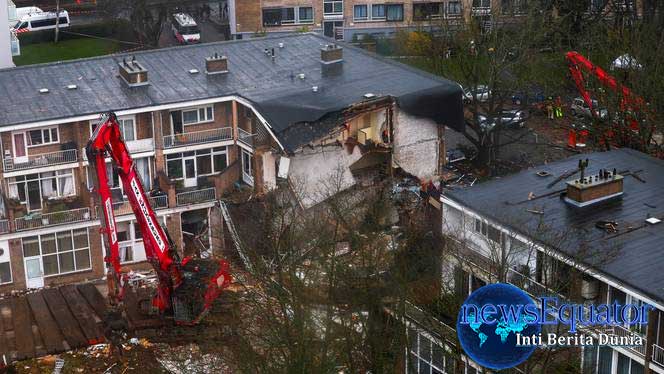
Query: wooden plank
{"x":66,"y":321}
{"x":94,"y":298}
{"x":8,"y":327}
{"x":25,"y":342}
{"x":48,"y":328}
{"x":137,"y":319}
{"x":4,"y":343}
{"x":83,"y":314}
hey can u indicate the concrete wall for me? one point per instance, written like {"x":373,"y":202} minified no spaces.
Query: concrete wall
{"x":417,"y":146}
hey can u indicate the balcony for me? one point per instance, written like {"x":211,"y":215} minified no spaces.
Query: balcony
{"x":38,"y":220}
{"x":134,"y":146}
{"x":196,"y":196}
{"x":245,"y":137}
{"x":122,"y":208}
{"x":658,"y":354}
{"x":198,"y":137}
{"x":4,"y":226}
{"x":41,"y":160}
{"x":625,"y":332}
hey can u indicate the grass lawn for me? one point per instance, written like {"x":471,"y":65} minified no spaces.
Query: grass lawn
{"x":64,"y":50}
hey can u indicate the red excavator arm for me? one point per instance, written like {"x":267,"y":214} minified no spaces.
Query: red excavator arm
{"x":186,"y":288}
{"x":628,"y":101}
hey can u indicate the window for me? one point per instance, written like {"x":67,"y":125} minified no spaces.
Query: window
{"x":360,"y":13}
{"x":481,"y":3}
{"x":454,"y":8}
{"x":306,"y":14}
{"x":61,"y":252}
{"x":427,"y":355}
{"x":197,"y":115}
{"x":32,"y":188}
{"x":127,"y":128}
{"x":333,"y":7}
{"x":489,"y":231}
{"x":48,"y":22}
{"x":208,"y":162}
{"x":42,"y":136}
{"x":394,"y":12}
{"x":287,"y":16}
{"x":130,"y":241}
{"x":5,"y":273}
{"x":143,"y":169}
{"x":378,"y":11}
{"x":426,"y":11}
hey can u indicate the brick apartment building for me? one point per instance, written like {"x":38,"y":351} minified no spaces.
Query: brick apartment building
{"x":590,"y":242}
{"x":343,"y":19}
{"x":200,"y":122}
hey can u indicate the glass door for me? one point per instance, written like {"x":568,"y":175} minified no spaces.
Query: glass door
{"x":34,"y":195}
{"x":247,"y":168}
{"x":189,"y":171}
{"x":20,"y":147}
{"x":33,"y":273}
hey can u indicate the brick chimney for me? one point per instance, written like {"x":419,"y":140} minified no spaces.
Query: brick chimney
{"x":216,"y":64}
{"x":331,"y":54}
{"x":590,"y":190}
{"x":133,"y":73}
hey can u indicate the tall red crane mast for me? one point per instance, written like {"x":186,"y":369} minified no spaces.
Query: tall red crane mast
{"x":186,"y":288}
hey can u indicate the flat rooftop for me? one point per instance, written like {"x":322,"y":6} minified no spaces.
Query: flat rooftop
{"x":631,"y":256}
{"x":272,"y":85}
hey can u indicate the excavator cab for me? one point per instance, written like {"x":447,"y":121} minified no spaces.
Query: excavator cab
{"x":186,"y":288}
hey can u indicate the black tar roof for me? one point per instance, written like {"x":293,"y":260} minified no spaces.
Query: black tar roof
{"x":633,"y":258}
{"x":274,"y":87}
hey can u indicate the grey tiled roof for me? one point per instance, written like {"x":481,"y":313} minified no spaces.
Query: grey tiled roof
{"x":272,"y":86}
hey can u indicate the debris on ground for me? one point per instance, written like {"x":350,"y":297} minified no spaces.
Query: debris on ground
{"x":189,"y":359}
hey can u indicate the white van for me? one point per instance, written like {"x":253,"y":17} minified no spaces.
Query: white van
{"x":185,"y":29}
{"x":34,"y":21}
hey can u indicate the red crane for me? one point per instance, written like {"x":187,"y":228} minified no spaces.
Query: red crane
{"x":630,"y":103}
{"x":187,"y":287}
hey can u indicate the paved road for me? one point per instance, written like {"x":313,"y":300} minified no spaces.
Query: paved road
{"x":210,"y":32}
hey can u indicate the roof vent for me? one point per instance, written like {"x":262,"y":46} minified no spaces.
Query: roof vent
{"x":72,"y":87}
{"x":301,"y":76}
{"x":193,"y":71}
{"x":43,"y":90}
{"x":314,"y":88}
{"x":331,"y":54}
{"x":216,"y":64}
{"x":369,"y":95}
{"x":653,"y":220}
{"x":133,"y":73}
{"x":590,"y":190}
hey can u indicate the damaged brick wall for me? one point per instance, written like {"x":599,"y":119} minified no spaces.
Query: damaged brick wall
{"x":418,"y":145}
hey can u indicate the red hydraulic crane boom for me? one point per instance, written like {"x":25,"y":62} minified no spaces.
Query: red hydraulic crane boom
{"x":186,"y":287}
{"x":577,"y":64}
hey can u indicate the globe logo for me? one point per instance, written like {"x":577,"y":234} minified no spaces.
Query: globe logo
{"x":490,"y":338}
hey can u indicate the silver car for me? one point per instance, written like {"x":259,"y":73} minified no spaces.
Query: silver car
{"x":481,"y":93}
{"x":580,"y":108}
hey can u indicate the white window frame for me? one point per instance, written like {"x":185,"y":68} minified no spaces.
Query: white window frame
{"x":130,"y":242}
{"x":299,"y":21}
{"x":57,"y":253}
{"x":121,"y":121}
{"x":333,"y":2}
{"x":11,"y":272}
{"x":371,"y":16}
{"x":367,"y":10}
{"x":28,"y":140}
{"x":197,"y":109}
{"x":89,"y":183}
{"x":448,"y":8}
{"x":223,"y":150}
{"x":57,"y":176}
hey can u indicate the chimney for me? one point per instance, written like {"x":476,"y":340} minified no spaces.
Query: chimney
{"x":216,"y":64}
{"x":593,"y":189}
{"x":133,"y":73}
{"x":331,"y":54}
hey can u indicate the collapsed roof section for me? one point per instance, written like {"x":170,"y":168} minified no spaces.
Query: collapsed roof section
{"x":283,"y":76}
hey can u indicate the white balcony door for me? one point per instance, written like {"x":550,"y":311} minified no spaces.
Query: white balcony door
{"x":189,"y":171}
{"x":247,"y":168}
{"x":20,"y":148}
{"x":33,"y":272}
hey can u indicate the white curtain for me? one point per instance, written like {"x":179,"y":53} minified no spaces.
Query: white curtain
{"x":65,"y":183}
{"x":143,"y":170}
{"x":47,"y":184}
{"x":13,"y":190}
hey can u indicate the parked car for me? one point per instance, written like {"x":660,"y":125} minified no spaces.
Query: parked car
{"x":580,"y":108}
{"x":185,"y":29}
{"x":510,"y":119}
{"x":481,"y":93}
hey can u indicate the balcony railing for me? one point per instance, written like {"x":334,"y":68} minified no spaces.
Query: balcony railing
{"x":198,"y":137}
{"x":658,"y":354}
{"x":246,"y":137}
{"x":122,"y":208}
{"x":140,"y":145}
{"x":625,"y":332}
{"x":44,"y":159}
{"x":195,"y":197}
{"x":35,"y":221}
{"x":4,"y":226}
